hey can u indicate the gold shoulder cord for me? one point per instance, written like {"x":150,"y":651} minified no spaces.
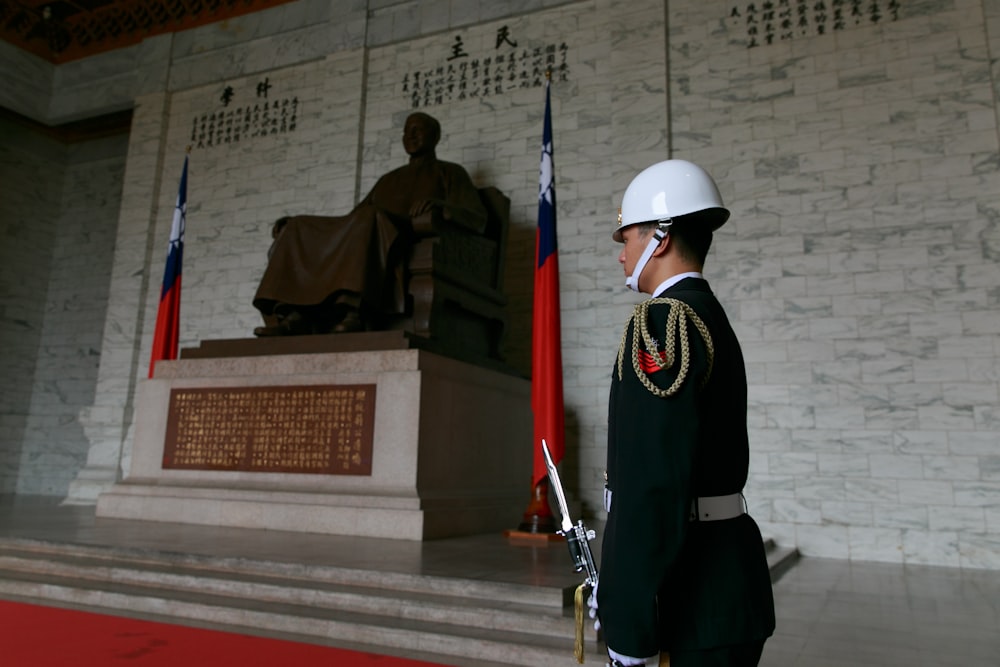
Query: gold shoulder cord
{"x":680,"y":314}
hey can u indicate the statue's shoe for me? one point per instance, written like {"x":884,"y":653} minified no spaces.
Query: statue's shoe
{"x":350,"y":324}
{"x":293,"y":324}
{"x":274,"y":330}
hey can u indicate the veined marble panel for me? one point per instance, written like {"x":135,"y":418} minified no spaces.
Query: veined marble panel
{"x":896,"y":466}
{"x":960,"y":519}
{"x":980,"y":551}
{"x":907,"y":517}
{"x":923,"y":547}
{"x":873,"y":490}
{"x":846,"y":465}
{"x":976,"y":494}
{"x":927,"y":492}
{"x":828,"y":540}
{"x":943,"y":417}
{"x":796,"y":511}
{"x":878,"y":544}
{"x":923,"y":442}
{"x":989,"y":467}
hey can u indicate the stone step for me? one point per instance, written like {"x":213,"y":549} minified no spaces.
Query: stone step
{"x":473,"y":611}
{"x":458,"y":619}
{"x":151,"y":565}
{"x":779,"y":559}
{"x":450,"y":643}
{"x":238,"y":569}
{"x":452,"y":621}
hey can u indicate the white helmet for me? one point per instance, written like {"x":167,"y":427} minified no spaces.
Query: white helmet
{"x":668,"y":190}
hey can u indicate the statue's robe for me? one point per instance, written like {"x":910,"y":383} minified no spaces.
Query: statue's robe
{"x":320,"y":259}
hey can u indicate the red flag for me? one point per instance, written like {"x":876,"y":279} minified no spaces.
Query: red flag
{"x":546,"y":354}
{"x":168,"y":316}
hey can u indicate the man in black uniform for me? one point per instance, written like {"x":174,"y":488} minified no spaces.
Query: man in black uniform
{"x":683,"y":568}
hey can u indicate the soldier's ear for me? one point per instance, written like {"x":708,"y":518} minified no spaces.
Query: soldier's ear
{"x":661,"y":247}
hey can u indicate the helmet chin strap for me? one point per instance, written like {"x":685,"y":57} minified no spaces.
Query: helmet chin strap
{"x":632,"y":282}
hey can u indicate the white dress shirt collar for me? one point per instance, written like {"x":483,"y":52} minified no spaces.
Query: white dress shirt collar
{"x":673,"y":280}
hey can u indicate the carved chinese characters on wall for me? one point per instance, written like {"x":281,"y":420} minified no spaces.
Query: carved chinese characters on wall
{"x":771,"y":21}
{"x":244,"y":113}
{"x":463,"y":74}
{"x":300,"y":429}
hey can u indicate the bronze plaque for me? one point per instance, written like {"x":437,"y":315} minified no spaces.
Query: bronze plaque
{"x":320,"y":429}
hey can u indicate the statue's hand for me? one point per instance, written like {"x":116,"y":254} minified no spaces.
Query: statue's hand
{"x":422,"y":206}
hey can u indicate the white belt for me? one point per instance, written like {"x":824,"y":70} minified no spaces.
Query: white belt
{"x":717,"y":508}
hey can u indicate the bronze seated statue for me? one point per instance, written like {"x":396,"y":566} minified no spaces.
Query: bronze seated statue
{"x":422,"y":252}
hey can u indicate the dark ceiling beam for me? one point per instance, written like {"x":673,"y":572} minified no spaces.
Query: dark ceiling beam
{"x":64,"y":30}
{"x":118,"y":122}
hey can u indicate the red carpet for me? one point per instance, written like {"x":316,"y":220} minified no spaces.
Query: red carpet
{"x":38,"y":636}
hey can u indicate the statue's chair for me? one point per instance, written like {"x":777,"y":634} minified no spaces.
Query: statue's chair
{"x":455,"y":280}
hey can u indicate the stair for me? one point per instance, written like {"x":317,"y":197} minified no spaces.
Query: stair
{"x":460,"y":622}
{"x":779,"y":559}
{"x":452,"y":621}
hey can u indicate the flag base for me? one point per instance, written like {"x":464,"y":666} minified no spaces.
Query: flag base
{"x":538,"y":518}
{"x":520,"y":537}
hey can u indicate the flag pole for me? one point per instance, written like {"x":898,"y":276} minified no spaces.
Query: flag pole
{"x":167,"y":330}
{"x":546,"y":372}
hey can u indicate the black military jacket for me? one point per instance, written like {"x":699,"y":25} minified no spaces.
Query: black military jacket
{"x":666,"y":582}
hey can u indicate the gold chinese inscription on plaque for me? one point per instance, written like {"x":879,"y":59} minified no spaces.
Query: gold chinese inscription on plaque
{"x":321,"y":429}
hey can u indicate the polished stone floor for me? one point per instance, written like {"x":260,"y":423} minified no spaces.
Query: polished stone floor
{"x":831,"y":613}
{"x":834,"y":613}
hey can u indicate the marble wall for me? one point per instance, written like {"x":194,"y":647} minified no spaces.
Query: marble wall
{"x":55,"y":446}
{"x":31,"y":170}
{"x":860,"y":269}
{"x":858,"y":156}
{"x":55,"y":267}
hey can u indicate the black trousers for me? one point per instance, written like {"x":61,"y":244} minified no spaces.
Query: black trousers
{"x":739,"y":655}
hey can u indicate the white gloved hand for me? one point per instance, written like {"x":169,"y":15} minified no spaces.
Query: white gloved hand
{"x":592,"y":604}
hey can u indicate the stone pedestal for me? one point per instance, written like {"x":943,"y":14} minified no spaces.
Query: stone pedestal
{"x":451,"y":450}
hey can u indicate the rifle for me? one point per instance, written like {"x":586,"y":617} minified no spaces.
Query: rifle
{"x":578,"y":541}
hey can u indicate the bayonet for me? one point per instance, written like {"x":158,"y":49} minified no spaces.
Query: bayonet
{"x":577,"y":536}
{"x":578,"y":540}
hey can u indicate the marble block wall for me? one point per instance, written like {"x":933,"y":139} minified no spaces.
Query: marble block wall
{"x":31,"y":170}
{"x":859,"y":268}
{"x":857,"y":151}
{"x":58,"y":211}
{"x":64,"y":382}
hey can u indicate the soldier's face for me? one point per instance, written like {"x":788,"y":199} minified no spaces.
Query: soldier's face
{"x":633,"y":243}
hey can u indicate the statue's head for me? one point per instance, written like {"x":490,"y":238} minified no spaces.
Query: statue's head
{"x":421,"y":134}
